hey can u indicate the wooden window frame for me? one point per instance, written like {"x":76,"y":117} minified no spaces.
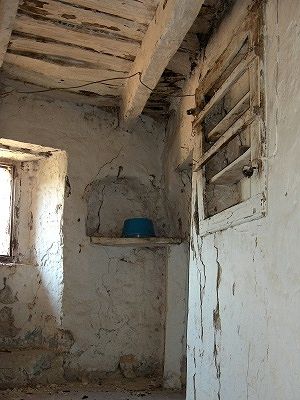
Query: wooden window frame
{"x":10,"y":258}
{"x":255,"y":206}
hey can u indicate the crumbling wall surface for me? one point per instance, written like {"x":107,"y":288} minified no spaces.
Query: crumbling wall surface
{"x":31,"y":335}
{"x":244,"y":282}
{"x":113,"y":300}
{"x":175,"y":332}
{"x":177,"y":160}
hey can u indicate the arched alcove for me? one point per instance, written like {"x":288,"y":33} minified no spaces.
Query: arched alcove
{"x":111,"y":200}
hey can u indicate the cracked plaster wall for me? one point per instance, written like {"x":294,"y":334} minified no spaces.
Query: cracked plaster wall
{"x":31,"y":291}
{"x":244,"y":282}
{"x":114,"y":299}
{"x":177,"y":160}
{"x":178,"y":157}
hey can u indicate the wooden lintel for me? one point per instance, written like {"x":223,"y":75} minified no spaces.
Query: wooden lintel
{"x":164,"y":36}
{"x":8,"y":12}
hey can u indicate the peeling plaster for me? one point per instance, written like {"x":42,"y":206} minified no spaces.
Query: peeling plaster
{"x":117,"y":295}
{"x":6,"y":294}
{"x":7,"y":323}
{"x":252,"y":287}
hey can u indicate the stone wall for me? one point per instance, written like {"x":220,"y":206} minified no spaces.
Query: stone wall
{"x":111,"y":301}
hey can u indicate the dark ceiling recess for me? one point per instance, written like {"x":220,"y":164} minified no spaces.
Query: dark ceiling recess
{"x":170,"y":84}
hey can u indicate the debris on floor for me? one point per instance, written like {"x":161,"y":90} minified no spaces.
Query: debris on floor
{"x":83,"y":393}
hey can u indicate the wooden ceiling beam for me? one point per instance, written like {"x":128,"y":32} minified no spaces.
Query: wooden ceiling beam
{"x":67,"y":53}
{"x":129,"y":9}
{"x":8,"y":12}
{"x":81,"y":17}
{"x":29,"y":82}
{"x":164,"y":36}
{"x":62,"y":72}
{"x":32,"y":78}
{"x":49,"y":30}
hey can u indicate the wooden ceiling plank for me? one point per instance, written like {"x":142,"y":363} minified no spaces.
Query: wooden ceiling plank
{"x":34,"y":82}
{"x":148,"y":3}
{"x":119,"y":48}
{"x":63,"y":72}
{"x":95,"y":59}
{"x":164,"y":36}
{"x":49,"y":81}
{"x":138,"y":11}
{"x":8,"y":11}
{"x":57,"y":11}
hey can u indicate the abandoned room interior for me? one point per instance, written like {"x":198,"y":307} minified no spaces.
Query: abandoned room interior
{"x":149,"y":199}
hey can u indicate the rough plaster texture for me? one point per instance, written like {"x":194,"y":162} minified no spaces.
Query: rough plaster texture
{"x":175,"y":344}
{"x":31,"y":296}
{"x":177,"y":177}
{"x":243,"y":323}
{"x":113,"y":300}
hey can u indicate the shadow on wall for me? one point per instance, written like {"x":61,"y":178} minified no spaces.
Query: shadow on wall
{"x":111,"y":200}
{"x":32,"y":342}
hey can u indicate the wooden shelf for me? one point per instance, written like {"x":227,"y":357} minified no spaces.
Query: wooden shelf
{"x":233,"y":173}
{"x":134,"y":242}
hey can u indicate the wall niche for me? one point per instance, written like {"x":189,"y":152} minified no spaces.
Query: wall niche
{"x":111,"y":200}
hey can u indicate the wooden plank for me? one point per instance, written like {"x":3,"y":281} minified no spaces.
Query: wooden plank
{"x":58,"y":11}
{"x":35,"y":78}
{"x":247,"y":211}
{"x":93,"y":94}
{"x":49,"y":30}
{"x":67,"y":53}
{"x":141,"y":12}
{"x":224,"y":60}
{"x":233,"y":77}
{"x":63,"y":72}
{"x":161,"y":41}
{"x":240,"y":125}
{"x":135,"y":242}
{"x":8,"y":11}
{"x":229,"y":118}
{"x":233,"y":173}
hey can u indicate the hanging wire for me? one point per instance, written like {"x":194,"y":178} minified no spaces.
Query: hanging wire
{"x":102,"y":81}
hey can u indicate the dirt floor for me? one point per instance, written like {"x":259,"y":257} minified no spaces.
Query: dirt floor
{"x":89,"y":395}
{"x":84,"y":392}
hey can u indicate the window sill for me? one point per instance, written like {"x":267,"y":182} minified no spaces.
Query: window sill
{"x":249,"y":210}
{"x":11,"y":264}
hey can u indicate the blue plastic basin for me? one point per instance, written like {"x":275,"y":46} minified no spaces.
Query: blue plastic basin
{"x":138,"y":227}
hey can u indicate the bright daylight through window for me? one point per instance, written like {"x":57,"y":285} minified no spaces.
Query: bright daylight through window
{"x":6,"y":201}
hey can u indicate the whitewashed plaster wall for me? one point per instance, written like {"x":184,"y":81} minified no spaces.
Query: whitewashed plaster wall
{"x":113,"y":299}
{"x":176,"y":317}
{"x":250,"y":273}
{"x":32,"y":291}
{"x":178,"y":184}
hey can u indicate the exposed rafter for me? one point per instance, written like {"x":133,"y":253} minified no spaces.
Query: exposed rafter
{"x":8,"y":12}
{"x":164,"y":36}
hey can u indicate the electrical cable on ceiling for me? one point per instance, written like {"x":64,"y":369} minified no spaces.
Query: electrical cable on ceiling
{"x":102,"y":81}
